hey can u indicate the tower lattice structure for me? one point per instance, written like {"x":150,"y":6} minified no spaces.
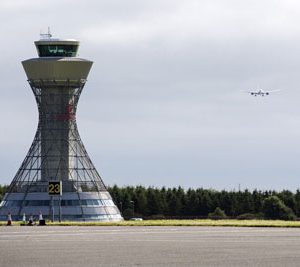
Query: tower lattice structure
{"x":57,"y":152}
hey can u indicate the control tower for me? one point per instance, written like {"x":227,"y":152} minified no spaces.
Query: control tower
{"x":57,"y":176}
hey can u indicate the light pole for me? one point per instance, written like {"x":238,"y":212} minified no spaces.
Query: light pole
{"x":121,"y":207}
{"x":132,"y":202}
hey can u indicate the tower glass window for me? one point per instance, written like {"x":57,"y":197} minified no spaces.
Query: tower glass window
{"x":56,"y":50}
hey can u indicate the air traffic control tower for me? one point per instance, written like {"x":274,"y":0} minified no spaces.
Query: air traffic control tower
{"x":57,"y":176}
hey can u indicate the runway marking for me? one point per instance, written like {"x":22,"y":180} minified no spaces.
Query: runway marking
{"x":123,"y":233}
{"x":130,"y":232}
{"x":148,"y":231}
{"x":153,"y":230}
{"x":192,"y":229}
{"x":207,"y":240}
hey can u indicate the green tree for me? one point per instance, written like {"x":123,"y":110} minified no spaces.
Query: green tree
{"x":288,"y":199}
{"x":174,"y":203}
{"x":274,"y":208}
{"x":154,"y":202}
{"x":258,"y":199}
{"x":141,"y":200}
{"x":297,"y":202}
{"x":3,"y":189}
{"x":217,"y":214}
{"x":192,"y":202}
{"x":205,"y":202}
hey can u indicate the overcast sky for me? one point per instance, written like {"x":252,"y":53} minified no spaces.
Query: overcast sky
{"x":164,"y":102}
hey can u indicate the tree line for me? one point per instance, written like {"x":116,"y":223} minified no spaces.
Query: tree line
{"x":3,"y":188}
{"x":164,"y":202}
{"x":156,"y":203}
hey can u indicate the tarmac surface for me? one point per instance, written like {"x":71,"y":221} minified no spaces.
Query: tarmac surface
{"x":148,"y":246}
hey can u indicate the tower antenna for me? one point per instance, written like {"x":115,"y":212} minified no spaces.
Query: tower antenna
{"x":47,"y":35}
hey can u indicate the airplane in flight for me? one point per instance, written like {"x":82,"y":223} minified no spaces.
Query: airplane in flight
{"x":260,"y":92}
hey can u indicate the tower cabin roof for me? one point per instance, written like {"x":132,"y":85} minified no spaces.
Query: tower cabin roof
{"x":53,"y":47}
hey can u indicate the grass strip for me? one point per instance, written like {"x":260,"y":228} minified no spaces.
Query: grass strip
{"x":206,"y":222}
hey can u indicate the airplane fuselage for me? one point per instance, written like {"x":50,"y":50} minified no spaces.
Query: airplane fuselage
{"x":259,"y":93}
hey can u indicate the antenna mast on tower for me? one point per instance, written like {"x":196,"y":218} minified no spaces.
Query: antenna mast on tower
{"x":47,"y":35}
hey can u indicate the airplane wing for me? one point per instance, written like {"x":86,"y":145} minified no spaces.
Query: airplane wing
{"x":272,"y":91}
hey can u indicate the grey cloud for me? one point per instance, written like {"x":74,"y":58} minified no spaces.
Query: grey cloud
{"x":164,"y":103}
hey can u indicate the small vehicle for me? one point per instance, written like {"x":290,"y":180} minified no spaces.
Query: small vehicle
{"x":136,"y":219}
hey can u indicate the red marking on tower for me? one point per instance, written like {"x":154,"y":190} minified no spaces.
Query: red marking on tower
{"x":68,"y":116}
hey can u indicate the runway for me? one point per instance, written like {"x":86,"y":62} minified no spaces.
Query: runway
{"x":148,"y":246}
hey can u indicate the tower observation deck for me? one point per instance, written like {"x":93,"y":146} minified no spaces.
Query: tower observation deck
{"x":57,"y":153}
